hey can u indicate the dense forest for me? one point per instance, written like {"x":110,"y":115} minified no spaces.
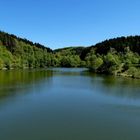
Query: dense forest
{"x":16,"y":52}
{"x":118,"y":56}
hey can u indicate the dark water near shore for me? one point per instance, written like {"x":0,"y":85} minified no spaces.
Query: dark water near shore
{"x":68,"y":104}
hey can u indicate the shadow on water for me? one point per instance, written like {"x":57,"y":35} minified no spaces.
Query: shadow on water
{"x":12,"y":82}
{"x":69,"y":71}
{"x":117,"y":86}
{"x":104,"y":84}
{"x":68,"y":104}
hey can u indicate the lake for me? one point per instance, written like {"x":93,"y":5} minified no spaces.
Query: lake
{"x":68,"y":104}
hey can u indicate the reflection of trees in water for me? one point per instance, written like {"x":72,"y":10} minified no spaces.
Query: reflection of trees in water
{"x":12,"y":82}
{"x":69,"y":71}
{"x":117,"y":86}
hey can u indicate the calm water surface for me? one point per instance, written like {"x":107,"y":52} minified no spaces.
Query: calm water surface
{"x":68,"y":104}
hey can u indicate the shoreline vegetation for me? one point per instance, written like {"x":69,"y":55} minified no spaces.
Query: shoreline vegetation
{"x":119,"y":56}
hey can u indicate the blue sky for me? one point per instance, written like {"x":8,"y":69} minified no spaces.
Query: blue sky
{"x":62,"y":23}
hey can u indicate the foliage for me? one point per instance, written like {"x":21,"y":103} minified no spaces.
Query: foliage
{"x":118,"y":63}
{"x":16,"y":52}
{"x":120,"y":56}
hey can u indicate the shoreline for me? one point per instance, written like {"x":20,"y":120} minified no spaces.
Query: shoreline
{"x":117,"y":74}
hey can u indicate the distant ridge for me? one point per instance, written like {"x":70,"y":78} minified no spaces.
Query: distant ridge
{"x":9,"y":40}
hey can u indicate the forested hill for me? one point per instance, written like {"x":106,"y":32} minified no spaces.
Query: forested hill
{"x":16,"y":52}
{"x":11,"y":42}
{"x":119,"y":44}
{"x":74,"y":50}
{"x":118,"y":56}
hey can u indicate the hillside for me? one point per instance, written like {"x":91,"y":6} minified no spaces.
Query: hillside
{"x":119,"y":44}
{"x":118,"y":56}
{"x":69,"y":57}
{"x":16,"y":52}
{"x":75,"y":50}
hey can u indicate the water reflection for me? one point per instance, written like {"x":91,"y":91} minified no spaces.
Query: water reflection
{"x":12,"y":82}
{"x":19,"y":81}
{"x":67,"y":104}
{"x":69,"y":71}
{"x":117,"y":86}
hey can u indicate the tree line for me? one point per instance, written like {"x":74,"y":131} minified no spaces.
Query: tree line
{"x":118,"y":56}
{"x":16,"y":52}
